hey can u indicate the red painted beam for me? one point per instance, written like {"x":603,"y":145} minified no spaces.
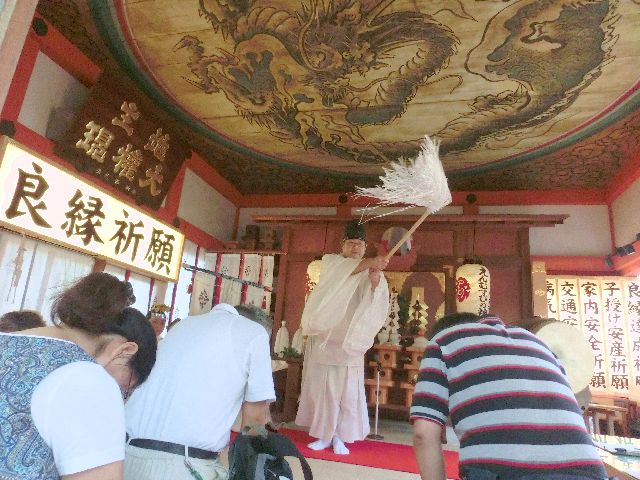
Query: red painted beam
{"x":68,"y":56}
{"x":20,"y":80}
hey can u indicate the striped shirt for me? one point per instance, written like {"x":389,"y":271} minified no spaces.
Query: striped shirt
{"x":509,"y":401}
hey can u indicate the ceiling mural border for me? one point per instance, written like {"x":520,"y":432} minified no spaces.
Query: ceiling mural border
{"x":110,"y":21}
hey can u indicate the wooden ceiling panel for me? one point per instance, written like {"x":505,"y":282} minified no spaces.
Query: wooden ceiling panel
{"x":289,"y":96}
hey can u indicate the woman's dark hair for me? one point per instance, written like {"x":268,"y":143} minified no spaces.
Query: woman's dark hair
{"x":93,"y":303}
{"x":134,"y":326}
{"x":20,"y":320}
{"x":451,"y":320}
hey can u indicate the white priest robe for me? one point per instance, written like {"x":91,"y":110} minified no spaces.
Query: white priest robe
{"x":341,"y":317}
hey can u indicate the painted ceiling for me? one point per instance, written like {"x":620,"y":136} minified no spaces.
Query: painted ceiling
{"x":319,"y":95}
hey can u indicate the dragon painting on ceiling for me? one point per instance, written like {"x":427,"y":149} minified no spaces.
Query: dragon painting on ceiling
{"x":349,"y":85}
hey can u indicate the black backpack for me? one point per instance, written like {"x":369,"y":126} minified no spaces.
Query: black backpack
{"x":261,"y":457}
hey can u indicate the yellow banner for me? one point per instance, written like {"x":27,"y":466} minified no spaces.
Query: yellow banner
{"x":42,"y":200}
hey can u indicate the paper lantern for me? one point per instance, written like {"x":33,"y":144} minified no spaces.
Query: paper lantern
{"x":473,"y":284}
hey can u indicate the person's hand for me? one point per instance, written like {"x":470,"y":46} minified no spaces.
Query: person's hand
{"x":374,"y":277}
{"x":378,"y":263}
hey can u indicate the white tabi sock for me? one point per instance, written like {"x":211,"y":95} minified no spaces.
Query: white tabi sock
{"x":319,"y":444}
{"x":339,"y":447}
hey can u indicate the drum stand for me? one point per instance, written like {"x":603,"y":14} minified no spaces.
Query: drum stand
{"x":374,"y":435}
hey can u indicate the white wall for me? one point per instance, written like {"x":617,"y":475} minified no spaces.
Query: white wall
{"x":15,"y":23}
{"x":52,"y":99}
{"x":585,"y":232}
{"x":626,"y":218}
{"x":205,"y":208}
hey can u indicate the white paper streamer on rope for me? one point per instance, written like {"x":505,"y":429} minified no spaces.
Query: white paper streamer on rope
{"x":298,"y":341}
{"x":282,"y":339}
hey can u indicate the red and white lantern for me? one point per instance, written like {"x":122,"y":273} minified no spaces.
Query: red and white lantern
{"x":473,"y":283}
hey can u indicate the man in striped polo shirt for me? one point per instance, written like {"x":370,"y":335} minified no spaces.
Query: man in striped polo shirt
{"x":509,"y":401}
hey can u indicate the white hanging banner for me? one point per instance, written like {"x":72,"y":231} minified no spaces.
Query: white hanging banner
{"x":202,"y":293}
{"x":552,"y":298}
{"x":615,"y":325}
{"x":593,"y":326}
{"x":568,"y":302}
{"x":631,"y":307}
{"x":255,"y":296}
{"x":266,"y":300}
{"x":252,"y":266}
{"x":42,"y":200}
{"x":230,"y":290}
{"x":267,"y":271}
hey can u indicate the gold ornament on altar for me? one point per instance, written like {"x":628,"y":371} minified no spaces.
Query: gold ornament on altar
{"x":418,"y":311}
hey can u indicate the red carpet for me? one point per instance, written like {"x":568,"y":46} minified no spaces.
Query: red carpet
{"x":371,"y":453}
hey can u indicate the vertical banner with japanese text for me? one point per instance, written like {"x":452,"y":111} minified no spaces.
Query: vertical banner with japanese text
{"x":552,"y":298}
{"x":595,"y":330}
{"x":568,"y":301}
{"x":616,"y":328}
{"x":45,"y":201}
{"x":631,"y":302}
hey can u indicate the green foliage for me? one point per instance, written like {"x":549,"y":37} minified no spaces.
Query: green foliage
{"x":290,"y":352}
{"x":403,"y":310}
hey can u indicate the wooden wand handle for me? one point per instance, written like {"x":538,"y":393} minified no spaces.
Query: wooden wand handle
{"x":406,"y":236}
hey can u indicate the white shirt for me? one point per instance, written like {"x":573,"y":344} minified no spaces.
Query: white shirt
{"x":207,"y":365}
{"x":78,"y":411}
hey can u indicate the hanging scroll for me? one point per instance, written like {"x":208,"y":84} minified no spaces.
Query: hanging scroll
{"x":595,"y":331}
{"x":616,"y":333}
{"x":631,"y":303}
{"x":568,"y":301}
{"x":552,"y":298}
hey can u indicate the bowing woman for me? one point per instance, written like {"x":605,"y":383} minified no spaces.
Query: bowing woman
{"x":62,"y":387}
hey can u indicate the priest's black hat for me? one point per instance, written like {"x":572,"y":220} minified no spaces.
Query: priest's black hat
{"x":354,"y":231}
